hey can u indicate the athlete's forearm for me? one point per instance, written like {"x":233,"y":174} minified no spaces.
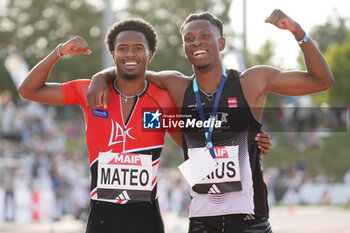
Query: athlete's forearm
{"x":98,"y":92}
{"x":34,"y":86}
{"x":316,"y":65}
{"x":154,"y":78}
{"x":106,"y":75}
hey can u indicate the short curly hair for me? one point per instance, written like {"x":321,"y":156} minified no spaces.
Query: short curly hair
{"x":212,"y":19}
{"x":132,"y":24}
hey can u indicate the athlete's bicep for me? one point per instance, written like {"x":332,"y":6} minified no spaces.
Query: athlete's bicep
{"x":49,"y":93}
{"x":292,"y":83}
{"x":289,"y":83}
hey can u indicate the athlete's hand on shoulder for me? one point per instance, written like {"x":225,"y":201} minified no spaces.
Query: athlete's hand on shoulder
{"x":264,"y":142}
{"x":76,"y":45}
{"x":281,"y":20}
{"x":98,"y":92}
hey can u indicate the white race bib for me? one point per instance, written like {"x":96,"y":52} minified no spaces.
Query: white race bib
{"x":227,"y":169}
{"x":123,"y":171}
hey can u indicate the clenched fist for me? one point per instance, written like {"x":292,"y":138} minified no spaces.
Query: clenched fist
{"x":76,"y":45}
{"x":281,"y":20}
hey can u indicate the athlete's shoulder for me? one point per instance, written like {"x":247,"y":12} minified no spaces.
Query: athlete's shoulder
{"x":259,"y":72}
{"x":161,"y":96}
{"x":74,"y":92}
{"x":110,"y":86}
{"x":77,"y":84}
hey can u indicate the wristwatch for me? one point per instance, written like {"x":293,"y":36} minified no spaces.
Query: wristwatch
{"x":305,"y":38}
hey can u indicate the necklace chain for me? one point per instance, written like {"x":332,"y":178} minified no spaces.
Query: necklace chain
{"x":210,"y":96}
{"x":127,"y":97}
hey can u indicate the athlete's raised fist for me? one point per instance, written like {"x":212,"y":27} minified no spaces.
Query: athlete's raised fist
{"x":281,"y":20}
{"x":76,"y":45}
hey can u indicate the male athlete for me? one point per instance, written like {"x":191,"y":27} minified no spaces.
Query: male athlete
{"x":234,"y":197}
{"x":124,"y":159}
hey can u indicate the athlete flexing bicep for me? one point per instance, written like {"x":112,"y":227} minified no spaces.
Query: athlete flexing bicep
{"x":35,"y":86}
{"x":258,"y":81}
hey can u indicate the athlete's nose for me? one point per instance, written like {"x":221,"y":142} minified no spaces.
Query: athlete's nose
{"x":130,"y":53}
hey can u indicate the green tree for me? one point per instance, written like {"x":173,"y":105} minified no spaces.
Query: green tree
{"x":34,"y":28}
{"x":332,"y":32}
{"x":338,"y":57}
{"x":330,"y":37}
{"x":263,"y":57}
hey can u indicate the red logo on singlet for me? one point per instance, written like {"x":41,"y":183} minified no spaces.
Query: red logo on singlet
{"x":127,"y":159}
{"x":232,"y":102}
{"x":118,"y":134}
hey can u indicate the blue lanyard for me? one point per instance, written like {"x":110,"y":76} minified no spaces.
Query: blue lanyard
{"x":209,"y":131}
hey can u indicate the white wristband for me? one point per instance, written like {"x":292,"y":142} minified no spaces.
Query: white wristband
{"x":305,"y":38}
{"x":58,"y":50}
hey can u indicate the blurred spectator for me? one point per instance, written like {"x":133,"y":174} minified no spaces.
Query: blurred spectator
{"x":346,"y":178}
{"x":321,"y":177}
{"x":37,"y":172}
{"x":7,"y":115}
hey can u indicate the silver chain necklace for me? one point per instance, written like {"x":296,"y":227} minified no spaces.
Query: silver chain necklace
{"x":127,"y":97}
{"x":210,"y":96}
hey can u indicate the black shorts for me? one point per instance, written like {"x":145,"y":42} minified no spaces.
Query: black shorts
{"x":233,"y":223}
{"x":105,"y":217}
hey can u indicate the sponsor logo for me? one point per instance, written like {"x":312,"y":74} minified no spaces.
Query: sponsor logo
{"x":232,"y":102}
{"x":129,"y":159}
{"x":100,"y":113}
{"x":119,"y":135}
{"x":249,"y":217}
{"x":221,"y":152}
{"x":123,"y":196}
{"x":214,"y":189}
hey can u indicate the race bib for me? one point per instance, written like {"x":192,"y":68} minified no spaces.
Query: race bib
{"x":124,"y":176}
{"x":226,"y":177}
{"x":198,"y":166}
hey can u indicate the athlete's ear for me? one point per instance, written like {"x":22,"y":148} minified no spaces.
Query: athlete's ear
{"x":222,"y":43}
{"x":113,"y":57}
{"x":183,"y":48}
{"x":150,"y":56}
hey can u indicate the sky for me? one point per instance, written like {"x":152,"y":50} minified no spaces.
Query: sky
{"x":307,"y":13}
